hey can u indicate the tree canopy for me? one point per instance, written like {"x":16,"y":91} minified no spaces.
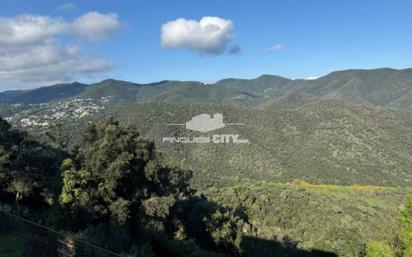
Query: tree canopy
{"x":28,"y":169}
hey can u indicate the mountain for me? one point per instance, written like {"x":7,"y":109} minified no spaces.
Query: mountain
{"x":386,"y":87}
{"x":289,"y":101}
{"x":377,"y":87}
{"x":235,"y":92}
{"x":43,"y":94}
{"x":327,"y":142}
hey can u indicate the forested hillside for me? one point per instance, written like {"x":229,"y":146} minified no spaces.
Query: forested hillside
{"x":326,"y":142}
{"x":115,"y":191}
{"x":380,"y":87}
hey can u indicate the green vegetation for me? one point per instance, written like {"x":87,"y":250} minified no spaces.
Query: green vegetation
{"x":336,"y":219}
{"x":29,"y":170}
{"x":327,"y":142}
{"x":402,"y":245}
{"x":43,"y":94}
{"x":377,"y":249}
{"x":10,"y":246}
{"x":406,"y":228}
{"x":323,"y":143}
{"x":117,"y":193}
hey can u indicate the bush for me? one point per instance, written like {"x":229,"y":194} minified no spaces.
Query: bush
{"x":378,"y":249}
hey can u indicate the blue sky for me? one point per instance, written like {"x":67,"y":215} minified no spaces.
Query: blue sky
{"x":311,"y":38}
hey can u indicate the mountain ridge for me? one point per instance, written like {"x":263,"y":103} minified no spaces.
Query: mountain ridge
{"x":384,"y":87}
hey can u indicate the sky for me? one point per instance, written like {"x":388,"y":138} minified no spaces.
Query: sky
{"x":51,"y":41}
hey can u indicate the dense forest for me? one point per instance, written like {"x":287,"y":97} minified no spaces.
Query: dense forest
{"x":116,"y":191}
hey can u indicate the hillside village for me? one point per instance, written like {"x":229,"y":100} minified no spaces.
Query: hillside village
{"x":30,"y":116}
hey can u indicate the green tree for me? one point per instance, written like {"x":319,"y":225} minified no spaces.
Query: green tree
{"x":56,"y":135}
{"x":28,"y":169}
{"x":209,"y":224}
{"x":117,"y":182}
{"x":114,"y":173}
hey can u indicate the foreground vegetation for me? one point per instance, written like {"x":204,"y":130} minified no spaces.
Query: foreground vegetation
{"x":11,"y":246}
{"x":115,"y":190}
{"x":338,"y":219}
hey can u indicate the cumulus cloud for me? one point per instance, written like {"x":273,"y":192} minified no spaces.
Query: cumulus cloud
{"x":66,"y":7}
{"x":276,"y":47}
{"x":209,"y":35}
{"x":96,"y":26}
{"x":48,"y":62}
{"x":29,"y":29}
{"x":31,"y":52}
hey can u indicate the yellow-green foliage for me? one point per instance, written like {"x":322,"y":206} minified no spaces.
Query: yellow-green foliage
{"x":407,"y":252}
{"x":363,"y":188}
{"x":406,"y":227}
{"x":378,"y":249}
{"x":349,"y":218}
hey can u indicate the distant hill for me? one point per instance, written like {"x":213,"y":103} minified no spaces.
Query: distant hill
{"x":43,"y":94}
{"x":377,"y":87}
{"x":380,"y":87}
{"x":235,"y":92}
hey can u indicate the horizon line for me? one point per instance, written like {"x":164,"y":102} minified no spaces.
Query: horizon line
{"x":159,"y":82}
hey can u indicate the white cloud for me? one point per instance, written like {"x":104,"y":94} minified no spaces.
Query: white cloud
{"x":66,"y":7}
{"x":209,"y":35}
{"x":311,"y":78}
{"x":276,"y":47}
{"x":47,"y":62}
{"x":31,"y":52}
{"x":29,"y":29}
{"x":96,"y":26}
